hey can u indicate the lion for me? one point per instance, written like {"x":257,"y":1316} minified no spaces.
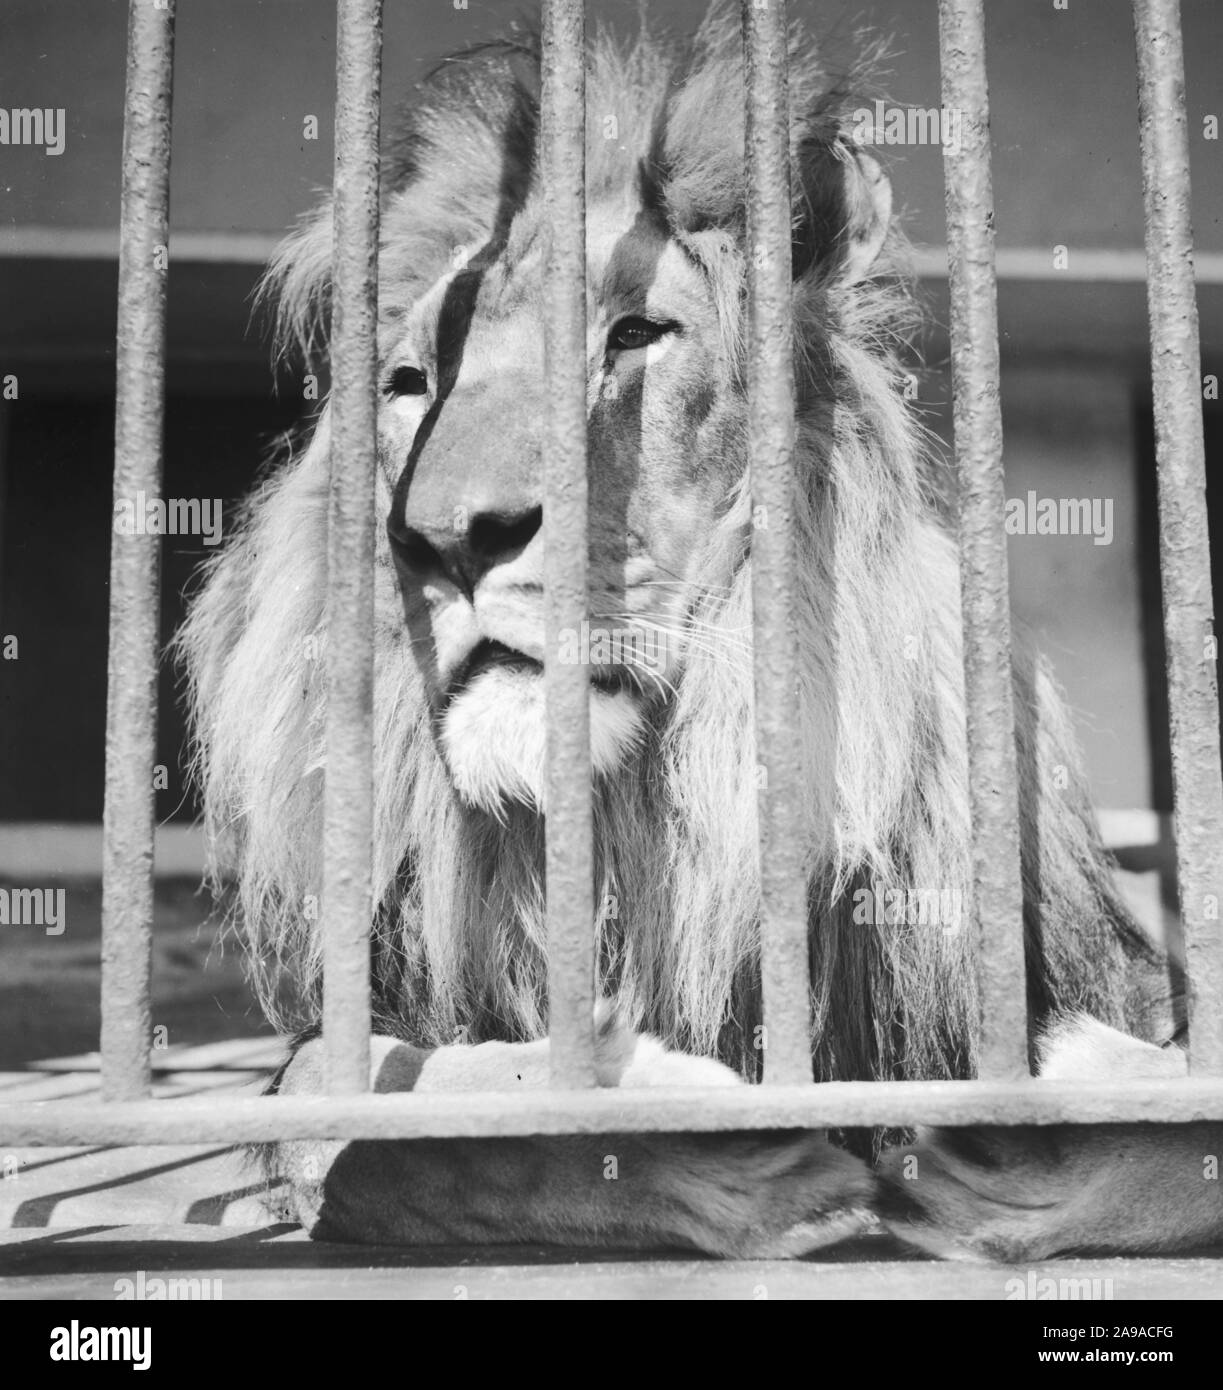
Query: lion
{"x":458,"y":961}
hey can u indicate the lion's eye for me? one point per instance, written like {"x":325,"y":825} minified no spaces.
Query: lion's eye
{"x":407,"y":381}
{"x":630,"y":334}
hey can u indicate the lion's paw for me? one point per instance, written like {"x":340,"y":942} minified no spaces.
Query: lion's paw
{"x":1026,"y":1193}
{"x":768,"y":1194}
{"x":1077,"y":1047}
{"x":981,"y":1193}
{"x":625,"y":1058}
{"x":652,"y":1064}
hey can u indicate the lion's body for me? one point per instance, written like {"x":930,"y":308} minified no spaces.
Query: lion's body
{"x":458,"y":842}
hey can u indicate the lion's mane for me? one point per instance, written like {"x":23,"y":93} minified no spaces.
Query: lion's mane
{"x":458,"y":936}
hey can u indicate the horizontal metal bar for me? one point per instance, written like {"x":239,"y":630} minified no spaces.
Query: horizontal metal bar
{"x":135,"y":560}
{"x":828,"y":1105}
{"x":784,"y":960}
{"x":993,"y":777}
{"x":1184,"y":538}
{"x":569,"y":828}
{"x":348,"y":788}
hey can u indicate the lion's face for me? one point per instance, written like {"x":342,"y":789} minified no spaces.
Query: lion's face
{"x":465,"y":404}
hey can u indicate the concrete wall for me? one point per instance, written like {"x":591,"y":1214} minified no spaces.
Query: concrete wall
{"x":249,"y":71}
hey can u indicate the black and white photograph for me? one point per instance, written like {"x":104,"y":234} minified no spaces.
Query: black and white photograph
{"x":608,"y":665}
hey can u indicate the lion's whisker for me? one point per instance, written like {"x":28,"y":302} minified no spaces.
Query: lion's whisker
{"x":714,"y":641}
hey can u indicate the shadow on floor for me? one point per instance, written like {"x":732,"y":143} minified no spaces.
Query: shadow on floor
{"x":50,"y":985}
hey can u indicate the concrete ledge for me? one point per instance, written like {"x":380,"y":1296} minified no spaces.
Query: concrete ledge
{"x":33,"y":850}
{"x":278,"y":1262}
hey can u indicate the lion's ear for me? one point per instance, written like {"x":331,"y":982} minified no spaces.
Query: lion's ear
{"x":845,"y":209}
{"x":869,"y":199}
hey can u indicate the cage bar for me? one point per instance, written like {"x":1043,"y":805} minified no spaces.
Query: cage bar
{"x":994,"y":796}
{"x":135,"y":560}
{"x":784,"y":959}
{"x":348,"y":798}
{"x":1184,"y":543}
{"x":608,"y":1110}
{"x":568,"y":864}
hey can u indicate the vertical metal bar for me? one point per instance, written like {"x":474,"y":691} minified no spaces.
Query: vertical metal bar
{"x":135,"y":558}
{"x":5,"y":415}
{"x":348,"y":798}
{"x":568,"y":866}
{"x":785,"y":968}
{"x":1184,"y":545}
{"x":997,"y":887}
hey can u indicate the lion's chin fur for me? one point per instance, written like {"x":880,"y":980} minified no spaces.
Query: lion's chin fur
{"x":493,"y":739}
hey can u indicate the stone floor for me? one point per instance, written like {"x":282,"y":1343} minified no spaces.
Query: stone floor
{"x":278,"y":1262}
{"x":156,"y":1186}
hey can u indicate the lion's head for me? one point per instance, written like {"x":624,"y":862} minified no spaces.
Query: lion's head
{"x":465,"y":396}
{"x":458,"y":699}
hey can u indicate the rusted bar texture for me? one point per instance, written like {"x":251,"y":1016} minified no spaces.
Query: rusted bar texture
{"x":849,"y":1104}
{"x":1184,"y":543}
{"x":784,"y":963}
{"x":977,"y":414}
{"x":568,"y":863}
{"x":135,"y":559}
{"x":348,"y":798}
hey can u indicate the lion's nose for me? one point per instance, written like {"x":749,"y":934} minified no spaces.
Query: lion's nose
{"x":464,"y":547}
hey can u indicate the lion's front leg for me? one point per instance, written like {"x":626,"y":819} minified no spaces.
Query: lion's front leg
{"x":1018,"y":1193}
{"x":740,"y":1194}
